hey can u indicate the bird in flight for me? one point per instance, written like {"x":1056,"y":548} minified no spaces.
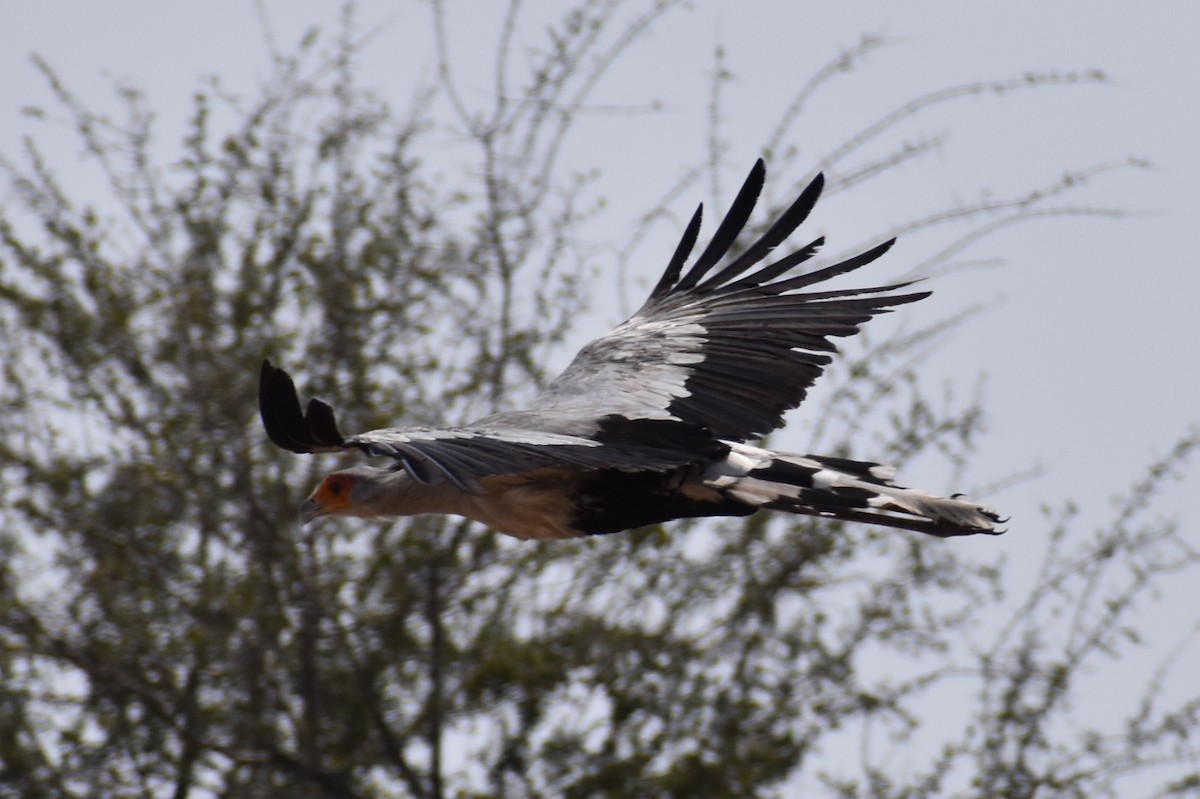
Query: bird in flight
{"x":653,"y":421}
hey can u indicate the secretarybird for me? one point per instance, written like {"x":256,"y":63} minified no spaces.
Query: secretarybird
{"x":650,"y":422}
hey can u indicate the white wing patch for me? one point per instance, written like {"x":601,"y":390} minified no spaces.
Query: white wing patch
{"x":637,"y":370}
{"x":390,"y":436}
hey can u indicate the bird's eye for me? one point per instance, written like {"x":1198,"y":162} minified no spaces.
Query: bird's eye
{"x":335,"y":488}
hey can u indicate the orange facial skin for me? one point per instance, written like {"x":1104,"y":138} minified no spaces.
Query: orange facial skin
{"x":331,"y":497}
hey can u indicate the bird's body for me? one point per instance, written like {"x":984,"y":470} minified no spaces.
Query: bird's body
{"x":650,"y":422}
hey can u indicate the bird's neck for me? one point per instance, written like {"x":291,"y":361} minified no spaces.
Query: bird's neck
{"x":394,"y":493}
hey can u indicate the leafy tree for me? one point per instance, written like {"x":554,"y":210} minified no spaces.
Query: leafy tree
{"x":168,"y":629}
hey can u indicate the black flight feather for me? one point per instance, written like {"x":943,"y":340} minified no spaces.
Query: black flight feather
{"x":322,"y":425}
{"x":848,"y":265}
{"x":682,"y":251}
{"x":772,"y":271}
{"x":783,"y":227}
{"x":279,"y":406}
{"x":730,"y":227}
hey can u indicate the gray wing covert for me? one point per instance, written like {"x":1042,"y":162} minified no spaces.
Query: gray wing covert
{"x":731,"y":352}
{"x":509,"y":443}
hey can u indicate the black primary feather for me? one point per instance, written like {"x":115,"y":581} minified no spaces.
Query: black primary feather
{"x":727,"y":232}
{"x":686,"y":243}
{"x":784,"y":226}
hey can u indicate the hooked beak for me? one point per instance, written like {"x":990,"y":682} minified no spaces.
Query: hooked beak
{"x":310,"y":509}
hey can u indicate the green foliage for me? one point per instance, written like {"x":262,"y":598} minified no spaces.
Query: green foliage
{"x":166,"y":628}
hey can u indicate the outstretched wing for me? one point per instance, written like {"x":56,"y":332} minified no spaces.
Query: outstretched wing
{"x":729,"y":351}
{"x":503,"y":444}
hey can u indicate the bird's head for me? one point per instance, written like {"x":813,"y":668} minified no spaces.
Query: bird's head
{"x":350,"y":492}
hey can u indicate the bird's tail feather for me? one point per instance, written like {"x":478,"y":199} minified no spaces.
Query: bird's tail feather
{"x":839,"y":488}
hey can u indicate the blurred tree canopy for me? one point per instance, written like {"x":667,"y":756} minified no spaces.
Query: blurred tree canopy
{"x":167,"y":628}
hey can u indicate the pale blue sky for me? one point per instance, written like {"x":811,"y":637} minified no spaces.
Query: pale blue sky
{"x":1091,"y":348}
